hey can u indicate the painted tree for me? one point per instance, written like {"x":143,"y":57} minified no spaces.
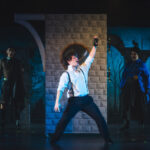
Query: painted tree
{"x":115,"y":67}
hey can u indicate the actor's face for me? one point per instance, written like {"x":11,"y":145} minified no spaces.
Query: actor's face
{"x":74,"y":61}
{"x":10,"y":53}
{"x":134,"y":56}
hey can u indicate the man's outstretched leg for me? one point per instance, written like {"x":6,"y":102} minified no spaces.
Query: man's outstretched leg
{"x":93,"y":111}
{"x":68,"y":114}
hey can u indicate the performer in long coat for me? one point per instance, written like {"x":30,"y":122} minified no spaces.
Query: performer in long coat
{"x":12,"y":90}
{"x":134,"y":84}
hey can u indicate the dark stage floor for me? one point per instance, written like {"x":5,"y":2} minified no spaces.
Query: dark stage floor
{"x":136,"y":138}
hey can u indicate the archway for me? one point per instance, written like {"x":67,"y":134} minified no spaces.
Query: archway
{"x":28,"y":53}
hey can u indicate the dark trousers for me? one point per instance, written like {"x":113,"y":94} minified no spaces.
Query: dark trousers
{"x":85,"y":104}
{"x":132,"y":102}
{"x":10,"y":110}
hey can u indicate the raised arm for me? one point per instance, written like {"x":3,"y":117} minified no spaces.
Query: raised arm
{"x":93,"y":52}
{"x":95,"y":44}
{"x":89,"y":60}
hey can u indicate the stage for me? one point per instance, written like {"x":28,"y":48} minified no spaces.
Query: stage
{"x":134,"y":138}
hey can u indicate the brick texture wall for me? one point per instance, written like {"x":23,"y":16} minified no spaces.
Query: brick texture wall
{"x":64,"y":29}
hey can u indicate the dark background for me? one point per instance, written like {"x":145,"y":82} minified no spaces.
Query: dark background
{"x":120,"y":12}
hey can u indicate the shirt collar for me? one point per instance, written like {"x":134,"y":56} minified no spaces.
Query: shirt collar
{"x":8,"y":58}
{"x":70,"y":68}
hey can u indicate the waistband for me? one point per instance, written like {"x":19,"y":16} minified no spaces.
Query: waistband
{"x":79,"y":96}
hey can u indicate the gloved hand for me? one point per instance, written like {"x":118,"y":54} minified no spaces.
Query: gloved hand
{"x":95,"y":42}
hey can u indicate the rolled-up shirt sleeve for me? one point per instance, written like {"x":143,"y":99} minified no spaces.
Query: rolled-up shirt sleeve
{"x":87,"y":64}
{"x":63,"y":82}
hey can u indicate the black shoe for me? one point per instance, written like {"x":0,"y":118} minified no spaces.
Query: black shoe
{"x":53,"y":140}
{"x":109,"y":141}
{"x":18,"y":124}
{"x":125,"y":127}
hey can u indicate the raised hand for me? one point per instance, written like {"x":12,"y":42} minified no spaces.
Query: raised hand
{"x":95,"y":42}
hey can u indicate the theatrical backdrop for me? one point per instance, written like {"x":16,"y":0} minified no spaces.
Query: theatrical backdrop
{"x":40,"y":40}
{"x":120,"y":41}
{"x":19,"y":37}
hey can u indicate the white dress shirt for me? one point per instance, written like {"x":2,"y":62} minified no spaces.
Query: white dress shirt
{"x":78,"y":79}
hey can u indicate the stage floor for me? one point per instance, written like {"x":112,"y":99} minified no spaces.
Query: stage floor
{"x":132,"y":139}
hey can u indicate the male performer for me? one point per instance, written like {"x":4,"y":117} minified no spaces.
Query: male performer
{"x":134,"y":84}
{"x":12,"y":87}
{"x":75,"y":78}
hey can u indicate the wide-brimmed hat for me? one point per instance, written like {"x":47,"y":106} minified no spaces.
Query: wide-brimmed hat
{"x":76,"y":49}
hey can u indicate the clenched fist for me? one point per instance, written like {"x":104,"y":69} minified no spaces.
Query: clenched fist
{"x":57,"y":107}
